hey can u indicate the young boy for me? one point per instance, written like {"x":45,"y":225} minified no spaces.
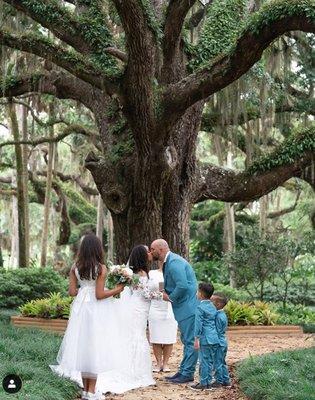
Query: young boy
{"x":206,"y":337}
{"x":221,"y":375}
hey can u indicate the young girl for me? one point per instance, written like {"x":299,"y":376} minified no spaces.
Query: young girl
{"x":86,"y":350}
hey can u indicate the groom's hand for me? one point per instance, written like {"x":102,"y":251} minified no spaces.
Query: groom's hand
{"x":196,"y":344}
{"x":165,"y":297}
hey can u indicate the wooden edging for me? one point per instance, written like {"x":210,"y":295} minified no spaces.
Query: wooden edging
{"x":60,"y":325}
{"x":264,"y":330}
{"x":54,"y":325}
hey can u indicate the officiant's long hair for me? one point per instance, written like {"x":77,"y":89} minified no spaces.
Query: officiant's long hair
{"x":90,"y":257}
{"x":139,"y":260}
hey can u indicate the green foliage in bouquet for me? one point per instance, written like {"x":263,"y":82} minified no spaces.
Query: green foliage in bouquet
{"x":255,"y":313}
{"x":53,"y":307}
{"x":24,"y":284}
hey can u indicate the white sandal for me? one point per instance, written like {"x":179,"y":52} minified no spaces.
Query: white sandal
{"x":95,"y":396}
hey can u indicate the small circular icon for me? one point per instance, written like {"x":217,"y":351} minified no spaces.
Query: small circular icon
{"x":12,"y":383}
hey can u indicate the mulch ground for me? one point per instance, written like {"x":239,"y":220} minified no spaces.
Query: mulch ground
{"x":239,"y":348}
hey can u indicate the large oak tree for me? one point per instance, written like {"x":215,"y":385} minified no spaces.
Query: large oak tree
{"x":147,"y":87}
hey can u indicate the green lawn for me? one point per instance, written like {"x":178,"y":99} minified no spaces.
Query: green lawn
{"x":279,"y":376}
{"x":27,"y":353}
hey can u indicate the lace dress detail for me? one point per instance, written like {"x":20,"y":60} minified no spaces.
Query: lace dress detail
{"x":136,"y":365}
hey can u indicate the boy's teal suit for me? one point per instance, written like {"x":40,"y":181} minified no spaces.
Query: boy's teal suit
{"x":205,"y":330}
{"x":180,"y":284}
{"x":221,"y":371}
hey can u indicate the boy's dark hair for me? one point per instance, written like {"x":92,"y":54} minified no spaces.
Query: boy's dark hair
{"x":222,"y":298}
{"x":206,"y":289}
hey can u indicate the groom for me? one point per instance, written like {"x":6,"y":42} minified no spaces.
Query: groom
{"x":180,"y":285}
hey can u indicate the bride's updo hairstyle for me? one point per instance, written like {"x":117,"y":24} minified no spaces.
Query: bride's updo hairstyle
{"x":138,"y":260}
{"x":90,"y":257}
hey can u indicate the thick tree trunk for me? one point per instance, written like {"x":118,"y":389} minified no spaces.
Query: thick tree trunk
{"x":150,"y":197}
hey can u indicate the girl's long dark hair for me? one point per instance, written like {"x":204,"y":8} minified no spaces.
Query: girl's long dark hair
{"x":90,"y":257}
{"x":138,"y":260}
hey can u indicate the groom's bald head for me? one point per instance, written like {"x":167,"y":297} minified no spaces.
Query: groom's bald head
{"x":159,"y":249}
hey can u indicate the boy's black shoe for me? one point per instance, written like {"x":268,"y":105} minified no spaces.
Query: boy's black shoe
{"x":199,"y":386}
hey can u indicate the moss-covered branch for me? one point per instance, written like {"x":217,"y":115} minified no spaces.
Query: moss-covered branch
{"x":288,"y":152}
{"x":43,"y":47}
{"x":86,"y":31}
{"x":55,"y":17}
{"x":272,"y":20}
{"x":59,"y":84}
{"x":290,"y":159}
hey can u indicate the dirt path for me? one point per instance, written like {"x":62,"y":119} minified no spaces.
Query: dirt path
{"x":239,"y":348}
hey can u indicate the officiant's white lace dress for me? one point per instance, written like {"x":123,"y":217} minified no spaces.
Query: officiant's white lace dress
{"x":136,"y":366}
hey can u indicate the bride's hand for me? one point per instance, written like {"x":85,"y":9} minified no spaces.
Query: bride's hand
{"x":120,"y":287}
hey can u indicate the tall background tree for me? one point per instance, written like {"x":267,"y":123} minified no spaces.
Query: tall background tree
{"x":153,"y":74}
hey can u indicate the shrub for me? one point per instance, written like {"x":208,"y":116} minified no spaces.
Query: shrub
{"x":231,"y":293}
{"x":255,"y":313}
{"x":295,"y":315}
{"x":21,"y":285}
{"x":55,"y":306}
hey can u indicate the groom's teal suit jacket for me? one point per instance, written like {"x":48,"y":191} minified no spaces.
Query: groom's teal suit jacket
{"x":180,"y":284}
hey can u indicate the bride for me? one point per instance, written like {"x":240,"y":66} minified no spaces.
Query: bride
{"x":133,"y":366}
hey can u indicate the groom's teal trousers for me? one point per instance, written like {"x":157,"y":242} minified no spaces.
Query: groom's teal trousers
{"x":187,"y":330}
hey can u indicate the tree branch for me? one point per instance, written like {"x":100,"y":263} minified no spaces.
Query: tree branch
{"x":55,"y":18}
{"x":175,"y":17}
{"x":272,"y":20}
{"x":121,"y":55}
{"x":45,"y":48}
{"x":288,"y":160}
{"x":71,"y":129}
{"x":279,"y":213}
{"x":76,"y":178}
{"x":56,"y":83}
{"x":212,"y":118}
{"x":36,"y":119}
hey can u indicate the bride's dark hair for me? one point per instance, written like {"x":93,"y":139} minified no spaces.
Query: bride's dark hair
{"x":138,"y":260}
{"x":90,"y":257}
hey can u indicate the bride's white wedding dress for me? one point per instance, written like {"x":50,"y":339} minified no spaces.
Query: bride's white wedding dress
{"x":134,"y":368}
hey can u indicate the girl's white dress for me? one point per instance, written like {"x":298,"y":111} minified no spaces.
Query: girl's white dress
{"x":93,"y":341}
{"x":162,"y":324}
{"x":136,"y":366}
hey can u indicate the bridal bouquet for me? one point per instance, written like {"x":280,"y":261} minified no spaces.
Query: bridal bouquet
{"x":120,"y":274}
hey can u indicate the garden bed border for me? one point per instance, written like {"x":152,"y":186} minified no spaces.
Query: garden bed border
{"x":60,"y":325}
